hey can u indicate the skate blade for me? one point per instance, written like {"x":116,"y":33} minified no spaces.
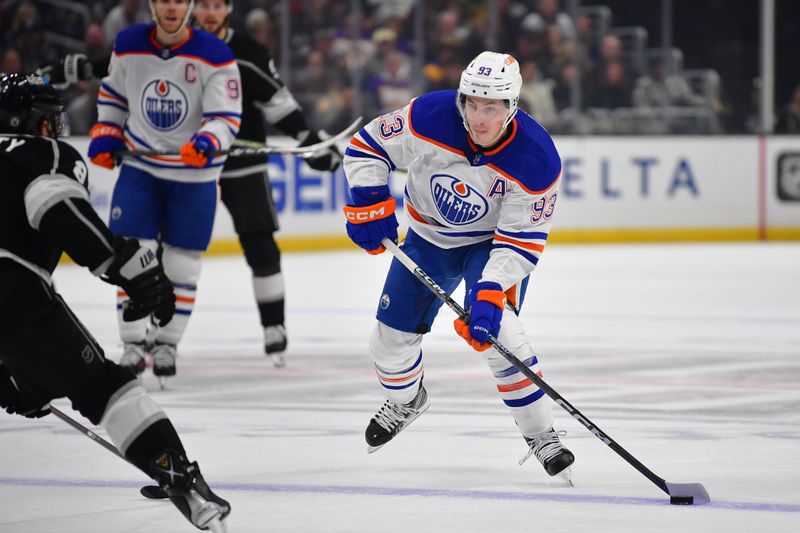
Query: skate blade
{"x":373,"y":449}
{"x":216,"y":526}
{"x":278,"y":360}
{"x":566,"y":476}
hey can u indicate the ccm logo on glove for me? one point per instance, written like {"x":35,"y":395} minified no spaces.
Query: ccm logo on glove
{"x":359,"y":215}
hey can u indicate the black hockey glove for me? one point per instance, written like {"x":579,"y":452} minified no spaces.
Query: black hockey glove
{"x":68,"y":71}
{"x":136,"y":269}
{"x":326,"y":159}
{"x":17,"y":401}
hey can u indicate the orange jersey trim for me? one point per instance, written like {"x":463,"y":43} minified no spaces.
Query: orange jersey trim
{"x":526,"y":245}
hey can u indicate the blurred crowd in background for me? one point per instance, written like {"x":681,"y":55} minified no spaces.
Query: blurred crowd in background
{"x":587,"y":69}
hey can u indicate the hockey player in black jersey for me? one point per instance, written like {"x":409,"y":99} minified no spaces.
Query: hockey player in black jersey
{"x":45,"y":351}
{"x":244,"y":184}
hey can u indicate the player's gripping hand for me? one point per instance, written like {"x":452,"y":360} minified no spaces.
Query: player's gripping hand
{"x":372,"y":218}
{"x":326,"y":159}
{"x":136,"y":269}
{"x":487,"y":301}
{"x":68,"y":71}
{"x":106,"y":139}
{"x":199,"y":152}
{"x":16,"y":400}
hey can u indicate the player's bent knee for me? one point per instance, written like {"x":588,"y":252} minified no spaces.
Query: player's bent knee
{"x":181,"y":265}
{"x":94,"y":399}
{"x":391,"y":348}
{"x":128,"y":413}
{"x":512,"y":336}
{"x":262,"y":253}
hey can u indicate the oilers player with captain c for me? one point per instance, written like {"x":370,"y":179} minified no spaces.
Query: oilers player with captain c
{"x":480,"y":195}
{"x":169,"y":87}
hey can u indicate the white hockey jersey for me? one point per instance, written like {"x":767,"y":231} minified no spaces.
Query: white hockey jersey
{"x":161,"y":96}
{"x":455,"y":193}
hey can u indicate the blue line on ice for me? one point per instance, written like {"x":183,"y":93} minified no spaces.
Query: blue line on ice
{"x":422,"y":492}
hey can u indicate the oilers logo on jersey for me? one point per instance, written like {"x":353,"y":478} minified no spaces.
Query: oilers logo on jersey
{"x":164,"y":104}
{"x":458,"y":203}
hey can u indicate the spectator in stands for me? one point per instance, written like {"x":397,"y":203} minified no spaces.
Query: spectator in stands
{"x":536,"y":96}
{"x":562,"y":93}
{"x":658,"y":89}
{"x":392,"y":89}
{"x":449,"y":27}
{"x":548,"y":14}
{"x":613,"y":89}
{"x":27,"y":38}
{"x":95,"y":42}
{"x":82,"y":109}
{"x":385,"y":41}
{"x":121,"y":16}
{"x":12,"y":62}
{"x":789,"y":118}
{"x":259,"y":27}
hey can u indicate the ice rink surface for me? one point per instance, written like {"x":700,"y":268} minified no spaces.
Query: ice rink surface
{"x":687,"y":355}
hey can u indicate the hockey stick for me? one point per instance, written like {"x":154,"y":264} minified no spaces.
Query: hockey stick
{"x":88,"y":432}
{"x":242,"y":148}
{"x":680,"y":493}
{"x":153,"y":492}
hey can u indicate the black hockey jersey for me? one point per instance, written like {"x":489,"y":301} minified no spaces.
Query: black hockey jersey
{"x":44,"y":206}
{"x":265,"y":99}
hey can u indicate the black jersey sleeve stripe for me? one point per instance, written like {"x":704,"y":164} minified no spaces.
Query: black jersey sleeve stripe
{"x":46,"y":191}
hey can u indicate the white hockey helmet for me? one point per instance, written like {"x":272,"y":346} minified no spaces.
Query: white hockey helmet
{"x":491,"y":75}
{"x":185,"y":19}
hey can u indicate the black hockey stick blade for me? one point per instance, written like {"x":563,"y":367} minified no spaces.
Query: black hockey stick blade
{"x":682,"y":491}
{"x":153,"y":492}
{"x":242,"y":148}
{"x":687,"y":493}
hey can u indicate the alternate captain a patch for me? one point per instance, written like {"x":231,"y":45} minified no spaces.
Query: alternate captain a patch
{"x":457,"y":202}
{"x":164,"y":104}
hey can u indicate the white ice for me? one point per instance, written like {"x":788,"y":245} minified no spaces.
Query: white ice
{"x":687,"y":355}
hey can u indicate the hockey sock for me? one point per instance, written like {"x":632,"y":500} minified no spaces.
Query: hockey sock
{"x":523,"y":398}
{"x":398,"y":362}
{"x":183,"y":269}
{"x":269,"y":293}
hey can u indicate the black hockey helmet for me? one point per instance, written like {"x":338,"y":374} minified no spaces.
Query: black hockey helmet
{"x":26,"y":101}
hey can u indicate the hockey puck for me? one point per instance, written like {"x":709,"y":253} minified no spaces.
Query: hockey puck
{"x":681,"y":500}
{"x":153,"y":492}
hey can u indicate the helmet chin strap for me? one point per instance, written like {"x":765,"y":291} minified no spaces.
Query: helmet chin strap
{"x":183,"y":24}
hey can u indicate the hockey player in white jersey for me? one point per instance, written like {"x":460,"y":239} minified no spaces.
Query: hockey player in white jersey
{"x":481,"y":195}
{"x":170,"y":87}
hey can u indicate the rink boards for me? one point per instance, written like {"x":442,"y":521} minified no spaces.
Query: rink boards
{"x":613,"y":189}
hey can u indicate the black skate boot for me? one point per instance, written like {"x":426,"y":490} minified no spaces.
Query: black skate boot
{"x":183,"y":483}
{"x":164,"y":356}
{"x":275,"y":343}
{"x":133,"y":357}
{"x":392,"y":418}
{"x":553,"y":456}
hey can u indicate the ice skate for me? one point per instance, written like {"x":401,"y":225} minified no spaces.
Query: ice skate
{"x":133,"y":357}
{"x":164,"y":356}
{"x":275,"y":344}
{"x":392,"y":418}
{"x":183,"y":483}
{"x":554,"y":457}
